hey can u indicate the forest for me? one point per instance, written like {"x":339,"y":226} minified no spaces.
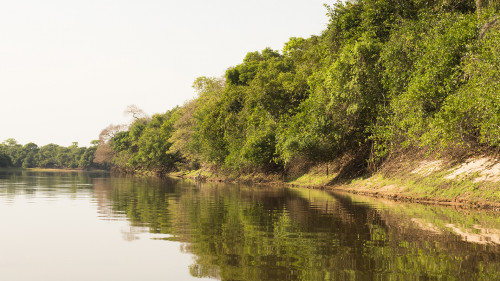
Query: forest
{"x":30,"y":155}
{"x":385,"y":76}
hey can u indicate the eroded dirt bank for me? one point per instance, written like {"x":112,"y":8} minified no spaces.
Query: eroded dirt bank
{"x":470,"y":182}
{"x":474,"y":182}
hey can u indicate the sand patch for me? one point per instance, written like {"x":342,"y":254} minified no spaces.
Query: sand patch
{"x":483,"y":169}
{"x":428,"y":167}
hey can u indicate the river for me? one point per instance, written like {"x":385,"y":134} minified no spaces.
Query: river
{"x":90,"y":226}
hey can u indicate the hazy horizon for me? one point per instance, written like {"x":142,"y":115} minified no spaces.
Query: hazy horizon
{"x":70,"y":68}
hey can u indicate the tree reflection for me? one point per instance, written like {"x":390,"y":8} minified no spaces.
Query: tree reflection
{"x":253,"y":233}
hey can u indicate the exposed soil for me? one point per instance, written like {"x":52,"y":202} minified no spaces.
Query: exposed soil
{"x":487,"y":168}
{"x":474,"y":168}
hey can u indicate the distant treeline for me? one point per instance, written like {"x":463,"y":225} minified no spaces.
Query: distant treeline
{"x":13,"y":154}
{"x":385,"y":75}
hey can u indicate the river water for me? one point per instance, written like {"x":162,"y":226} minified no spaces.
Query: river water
{"x":90,"y":226}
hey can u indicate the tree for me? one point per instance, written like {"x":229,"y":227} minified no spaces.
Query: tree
{"x":5,"y":160}
{"x":135,"y":111}
{"x":87,"y":159}
{"x":14,"y":151}
{"x":31,"y":158}
{"x":104,"y":151}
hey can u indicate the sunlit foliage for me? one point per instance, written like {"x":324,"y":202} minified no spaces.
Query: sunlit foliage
{"x":30,"y":155}
{"x":383,"y":75}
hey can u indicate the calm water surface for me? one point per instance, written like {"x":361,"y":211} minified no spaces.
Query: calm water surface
{"x":84,"y":226}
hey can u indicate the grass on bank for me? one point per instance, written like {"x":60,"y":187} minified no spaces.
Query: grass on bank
{"x":431,"y":186}
{"x":412,"y":178}
{"x":312,"y":180}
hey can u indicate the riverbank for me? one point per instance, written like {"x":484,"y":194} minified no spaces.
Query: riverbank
{"x":470,"y":182}
{"x":473,"y":182}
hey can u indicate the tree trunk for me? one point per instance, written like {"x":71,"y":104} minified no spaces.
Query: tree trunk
{"x":479,"y":6}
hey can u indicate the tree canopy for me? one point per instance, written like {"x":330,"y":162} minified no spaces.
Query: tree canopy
{"x":30,"y":155}
{"x":383,"y":75}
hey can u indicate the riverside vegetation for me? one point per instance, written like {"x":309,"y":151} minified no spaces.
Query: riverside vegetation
{"x":385,"y":79}
{"x":30,"y":155}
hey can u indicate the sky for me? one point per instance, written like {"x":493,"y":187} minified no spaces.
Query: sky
{"x":70,"y":68}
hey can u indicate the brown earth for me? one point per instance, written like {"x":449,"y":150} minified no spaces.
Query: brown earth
{"x":481,"y":169}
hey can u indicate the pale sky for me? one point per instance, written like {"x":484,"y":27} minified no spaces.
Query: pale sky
{"x":69,"y":68}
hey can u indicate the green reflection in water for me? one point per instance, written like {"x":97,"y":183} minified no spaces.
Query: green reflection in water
{"x":255,"y":233}
{"x":46,"y":184}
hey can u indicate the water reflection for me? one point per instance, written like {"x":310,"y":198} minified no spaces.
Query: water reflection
{"x":254,"y":233}
{"x":32,"y":186}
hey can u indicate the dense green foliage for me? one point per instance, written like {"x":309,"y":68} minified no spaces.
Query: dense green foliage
{"x":384,"y":74}
{"x":30,"y":155}
{"x":144,"y":145}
